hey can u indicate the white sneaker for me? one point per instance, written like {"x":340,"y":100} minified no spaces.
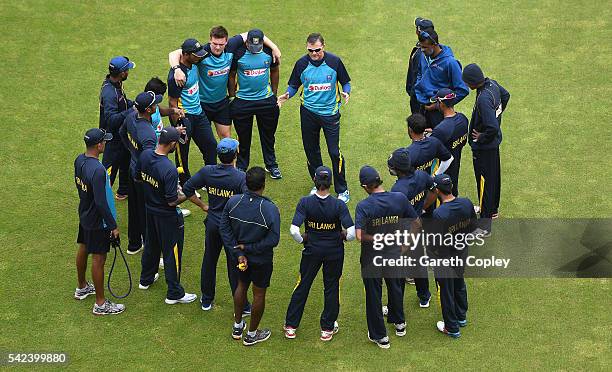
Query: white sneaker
{"x":385,"y":310}
{"x":108,"y":308}
{"x":161,"y":262}
{"x":197,"y":194}
{"x":82,"y":293}
{"x":476,"y":209}
{"x":313,"y":190}
{"x":290,"y":332}
{"x":147,"y":286}
{"x":344,"y":196}
{"x":328,"y":335}
{"x":400,"y":329}
{"x":187,"y":298}
{"x":482,"y":232}
{"x":136,"y":251}
{"x":186,"y":212}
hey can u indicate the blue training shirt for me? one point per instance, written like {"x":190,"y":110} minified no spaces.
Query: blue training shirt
{"x":425,"y":151}
{"x":137,"y":135}
{"x":253,"y":73}
{"x":414,"y":186}
{"x":96,"y":202}
{"x":188,"y":95}
{"x":214,"y":71}
{"x":322,"y":81}
{"x":452,"y":132}
{"x":156,"y":122}
{"x":159,"y":182}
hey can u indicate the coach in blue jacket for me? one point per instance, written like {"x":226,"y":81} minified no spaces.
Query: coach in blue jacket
{"x":438,"y":69}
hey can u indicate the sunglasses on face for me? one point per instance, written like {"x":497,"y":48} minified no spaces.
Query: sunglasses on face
{"x":314,"y":50}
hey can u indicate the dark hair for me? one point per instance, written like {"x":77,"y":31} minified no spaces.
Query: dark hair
{"x":450,"y":103}
{"x":256,"y":178}
{"x":314,"y":37}
{"x":114,"y":73}
{"x":374,"y":184}
{"x":323,"y":183}
{"x":227,"y":158}
{"x":156,"y":85}
{"x":432,"y":34}
{"x":417,"y":123}
{"x":218,"y":32}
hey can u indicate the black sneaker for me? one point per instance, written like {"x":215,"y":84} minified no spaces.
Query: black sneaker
{"x":260,"y":336}
{"x":383,"y":343}
{"x":275,"y":173}
{"x":237,"y":331}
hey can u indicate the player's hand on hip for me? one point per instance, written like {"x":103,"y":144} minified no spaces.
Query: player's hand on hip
{"x":179,"y":77}
{"x":346,"y":97}
{"x":282,"y":99}
{"x":475,"y":135}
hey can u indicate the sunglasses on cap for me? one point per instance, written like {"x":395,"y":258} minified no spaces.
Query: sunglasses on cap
{"x":445,"y":98}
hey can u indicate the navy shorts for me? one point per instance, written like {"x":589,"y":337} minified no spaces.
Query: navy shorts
{"x":218,"y":112}
{"x":258,"y":274}
{"x":96,"y":241}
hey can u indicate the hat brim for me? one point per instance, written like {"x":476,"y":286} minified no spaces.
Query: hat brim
{"x":158,"y":99}
{"x":255,"y":48}
{"x":107,"y":137}
{"x":200,"y":53}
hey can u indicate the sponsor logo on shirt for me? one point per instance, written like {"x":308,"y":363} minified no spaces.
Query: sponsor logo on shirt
{"x":219,"y":72}
{"x":319,"y":87}
{"x":255,"y":72}
{"x":193,"y":89}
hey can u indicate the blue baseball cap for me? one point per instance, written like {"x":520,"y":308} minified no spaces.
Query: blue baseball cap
{"x":400,"y":160}
{"x":422,"y":24}
{"x":169,"y":135}
{"x":255,"y":39}
{"x":444,"y":94}
{"x":120,"y":64}
{"x":94,"y":136}
{"x":368,"y":175}
{"x":147,"y":99}
{"x":227,"y":146}
{"x":443,"y":182}
{"x":194,"y":47}
{"x":322,"y":173}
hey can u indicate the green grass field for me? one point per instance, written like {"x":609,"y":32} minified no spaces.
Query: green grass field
{"x":554,"y":57}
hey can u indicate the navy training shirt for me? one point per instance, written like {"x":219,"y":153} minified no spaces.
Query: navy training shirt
{"x":453,"y":132}
{"x":114,"y":106}
{"x":159,"y":182}
{"x":322,"y":81}
{"x":425,"y":151}
{"x":137,"y":134}
{"x":222,"y":181}
{"x":96,"y":202}
{"x":323,"y":219}
{"x":383,"y":208}
{"x":252,"y":220}
{"x":491,"y":101}
{"x":415,"y":188}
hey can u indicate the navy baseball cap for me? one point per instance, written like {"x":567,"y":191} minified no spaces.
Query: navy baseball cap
{"x":194,"y":47}
{"x":443,"y":94}
{"x":368,"y":175}
{"x":255,"y":39}
{"x":227,"y":146}
{"x":94,"y":136}
{"x":169,"y":135}
{"x":147,"y":99}
{"x":422,"y":23}
{"x":120,"y":64}
{"x":322,"y":173}
{"x":400,"y":160}
{"x":443,"y":183}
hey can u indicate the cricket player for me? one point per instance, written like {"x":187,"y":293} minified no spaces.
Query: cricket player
{"x":379,"y":207}
{"x":256,"y":74}
{"x":114,"y":107}
{"x":485,"y":137}
{"x":222,"y":181}
{"x":97,"y":220}
{"x":187,"y":98}
{"x":213,"y":72}
{"x":324,"y":218}
{"x":452,"y":131}
{"x":414,"y":184}
{"x":165,"y":226}
{"x":438,"y":69}
{"x":137,"y":135}
{"x":250,"y":224}
{"x":454,"y":216}
{"x":325,"y":81}
{"x":414,"y":63}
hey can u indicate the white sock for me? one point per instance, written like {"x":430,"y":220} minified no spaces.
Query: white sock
{"x":252,"y":333}
{"x":236,"y":325}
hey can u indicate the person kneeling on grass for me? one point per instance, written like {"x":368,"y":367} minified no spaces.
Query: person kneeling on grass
{"x":324,"y":216}
{"x":250,"y":223}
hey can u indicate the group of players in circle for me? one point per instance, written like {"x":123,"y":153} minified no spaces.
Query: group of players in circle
{"x":234,"y":80}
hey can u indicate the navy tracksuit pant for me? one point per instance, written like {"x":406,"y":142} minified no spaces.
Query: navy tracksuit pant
{"x":487,"y":170}
{"x":116,"y":159}
{"x":199,"y":129}
{"x":165,"y":236}
{"x":374,"y":315}
{"x":309,"y":267}
{"x":136,"y":215}
{"x":213,"y":244}
{"x":453,"y":300}
{"x":267,"y":113}
{"x":311,"y":128}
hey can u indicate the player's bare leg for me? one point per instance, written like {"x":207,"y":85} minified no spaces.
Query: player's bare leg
{"x":223,"y":131}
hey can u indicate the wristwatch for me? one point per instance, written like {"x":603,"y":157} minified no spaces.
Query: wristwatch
{"x":175,"y":67}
